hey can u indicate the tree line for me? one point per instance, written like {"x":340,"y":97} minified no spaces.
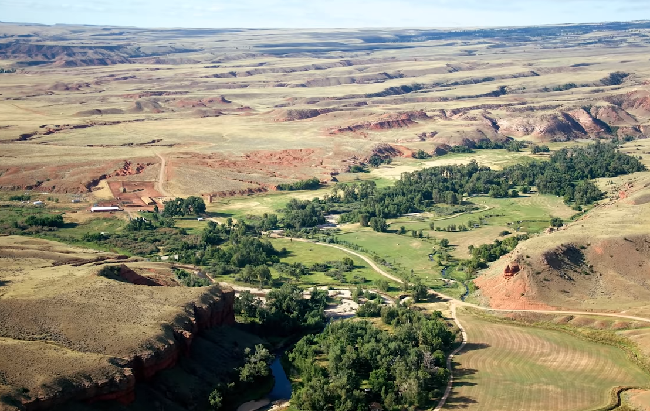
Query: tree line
{"x":567,"y":173}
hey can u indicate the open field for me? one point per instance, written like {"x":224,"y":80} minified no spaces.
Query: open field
{"x":237,"y":112}
{"x":511,"y":367}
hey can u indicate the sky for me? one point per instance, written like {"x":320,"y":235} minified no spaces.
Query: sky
{"x":321,"y":14}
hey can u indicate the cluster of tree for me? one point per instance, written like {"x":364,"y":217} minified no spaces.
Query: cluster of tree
{"x":286,"y":312}
{"x":535,"y":149}
{"x":180,"y":207}
{"x":515,"y":146}
{"x":305,"y":213}
{"x":140,"y":224}
{"x":358,"y":168}
{"x":310,"y":184}
{"x":403,"y":368}
{"x":567,"y":174}
{"x":563,"y":87}
{"x":376,"y":160}
{"x":421,"y":155}
{"x":265,"y":222}
{"x":488,"y":253}
{"x":614,"y":79}
{"x":45,"y":221}
{"x":379,"y":224}
{"x":254,"y":371}
{"x":460,"y":149}
{"x":20,"y":197}
{"x":260,"y":274}
{"x":190,"y":280}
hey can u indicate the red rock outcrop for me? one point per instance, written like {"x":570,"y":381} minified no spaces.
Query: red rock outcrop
{"x":590,"y":125}
{"x":511,"y":270}
{"x":218,"y":310}
{"x":550,"y":126}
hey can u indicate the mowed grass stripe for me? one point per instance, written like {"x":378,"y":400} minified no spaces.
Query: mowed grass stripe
{"x":537,"y":370}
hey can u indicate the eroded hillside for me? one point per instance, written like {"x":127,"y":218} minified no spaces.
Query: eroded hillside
{"x":228,"y":112}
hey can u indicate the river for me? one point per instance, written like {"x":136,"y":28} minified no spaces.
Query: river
{"x":282,"y":387}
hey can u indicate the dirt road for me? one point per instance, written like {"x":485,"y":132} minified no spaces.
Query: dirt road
{"x":161,"y":178}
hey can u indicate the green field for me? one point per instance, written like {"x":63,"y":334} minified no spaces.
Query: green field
{"x":508,"y":367}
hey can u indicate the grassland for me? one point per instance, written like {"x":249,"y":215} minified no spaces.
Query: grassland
{"x":512,"y":367}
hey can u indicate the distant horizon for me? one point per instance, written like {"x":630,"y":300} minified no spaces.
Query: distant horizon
{"x":334,"y":14}
{"x":442,"y":28}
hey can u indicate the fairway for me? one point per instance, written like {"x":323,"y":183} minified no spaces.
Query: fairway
{"x":506,"y":367}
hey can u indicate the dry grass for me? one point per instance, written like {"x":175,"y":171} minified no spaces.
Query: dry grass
{"x":76,"y":323}
{"x":271,"y":85}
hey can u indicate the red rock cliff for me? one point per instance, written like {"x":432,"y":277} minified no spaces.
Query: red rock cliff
{"x":216,"y":308}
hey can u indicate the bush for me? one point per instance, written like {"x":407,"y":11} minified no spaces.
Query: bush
{"x":310,"y":184}
{"x":45,"y":221}
{"x":24,"y":197}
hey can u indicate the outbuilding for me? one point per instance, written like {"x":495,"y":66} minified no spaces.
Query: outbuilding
{"x":104,"y":209}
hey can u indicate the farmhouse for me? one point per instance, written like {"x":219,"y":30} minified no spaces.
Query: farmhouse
{"x":104,"y":209}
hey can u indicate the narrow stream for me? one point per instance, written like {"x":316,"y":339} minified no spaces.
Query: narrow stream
{"x":282,"y":387}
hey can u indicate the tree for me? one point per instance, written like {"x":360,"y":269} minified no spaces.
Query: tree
{"x":556,"y":222}
{"x":263,"y":274}
{"x":216,"y":400}
{"x":382,"y":285}
{"x":247,"y":304}
{"x":194,"y":205}
{"x":419,"y":291}
{"x":363,"y":220}
{"x":402,"y":230}
{"x":257,"y":364}
{"x":379,"y":224}
{"x":444,"y":243}
{"x":421,"y":155}
{"x":432,"y":225}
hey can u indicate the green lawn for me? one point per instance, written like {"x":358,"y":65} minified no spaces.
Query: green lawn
{"x":308,"y":254}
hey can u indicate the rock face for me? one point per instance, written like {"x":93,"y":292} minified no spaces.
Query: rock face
{"x":511,"y":270}
{"x":143,"y":366}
